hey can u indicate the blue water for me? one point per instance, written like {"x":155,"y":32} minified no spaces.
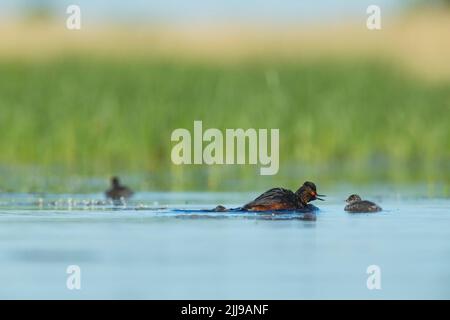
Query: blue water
{"x":147,"y":250}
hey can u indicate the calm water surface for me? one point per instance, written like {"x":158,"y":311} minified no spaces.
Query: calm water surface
{"x":145,"y":249}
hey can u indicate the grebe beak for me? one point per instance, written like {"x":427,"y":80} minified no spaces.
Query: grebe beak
{"x":316,"y":196}
{"x":320,"y":195}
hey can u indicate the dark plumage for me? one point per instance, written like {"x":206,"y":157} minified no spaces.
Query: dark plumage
{"x":284,"y":199}
{"x":118,"y":191}
{"x":357,"y":205}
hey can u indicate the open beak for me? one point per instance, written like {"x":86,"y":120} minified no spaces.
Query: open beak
{"x":320,"y":195}
{"x":316,"y":196}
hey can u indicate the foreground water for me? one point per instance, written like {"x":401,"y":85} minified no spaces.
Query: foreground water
{"x":146,"y":249}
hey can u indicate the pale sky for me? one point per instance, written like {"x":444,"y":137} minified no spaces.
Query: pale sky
{"x":183,"y":11}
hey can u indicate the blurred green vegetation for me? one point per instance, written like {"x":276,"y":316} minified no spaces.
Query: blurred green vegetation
{"x":355,"y":121}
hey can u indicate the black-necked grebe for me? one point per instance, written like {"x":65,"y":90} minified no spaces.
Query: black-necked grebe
{"x":118,"y":191}
{"x":357,"y":205}
{"x":283,"y":199}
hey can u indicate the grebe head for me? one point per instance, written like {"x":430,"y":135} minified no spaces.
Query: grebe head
{"x":115,"y":182}
{"x":308,"y":192}
{"x":353,"y":198}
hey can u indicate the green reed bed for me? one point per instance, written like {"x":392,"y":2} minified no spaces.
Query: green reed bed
{"x":347,"y":121}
